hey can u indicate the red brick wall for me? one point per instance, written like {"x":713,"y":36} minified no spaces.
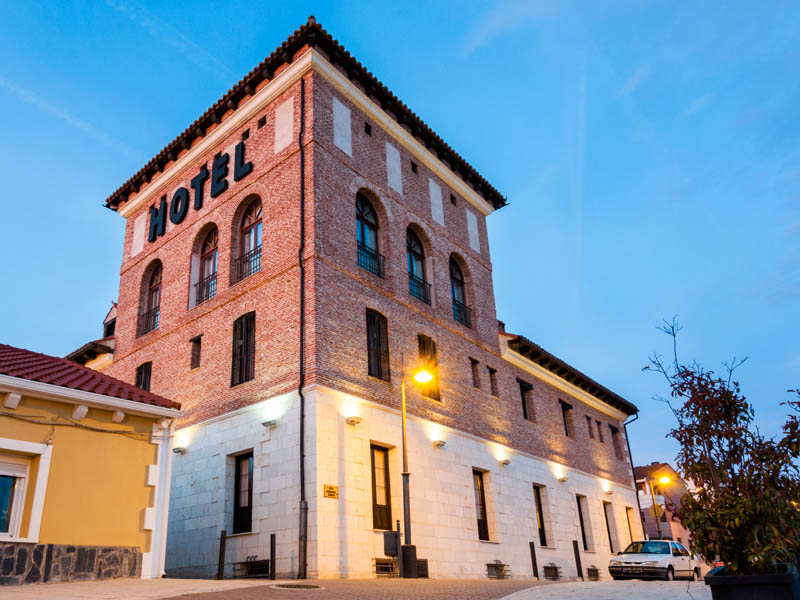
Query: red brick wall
{"x":338,"y":293}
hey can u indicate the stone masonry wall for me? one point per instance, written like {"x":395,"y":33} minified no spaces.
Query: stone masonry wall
{"x":51,"y":563}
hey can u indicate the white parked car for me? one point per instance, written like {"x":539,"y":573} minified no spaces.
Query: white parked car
{"x":655,"y":559}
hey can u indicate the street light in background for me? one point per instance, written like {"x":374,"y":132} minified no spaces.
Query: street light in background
{"x":663,"y":480}
{"x":408,"y":551}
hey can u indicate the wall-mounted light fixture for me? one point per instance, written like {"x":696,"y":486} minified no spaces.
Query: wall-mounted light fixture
{"x":353,"y":420}
{"x":562,"y":479}
{"x":179,"y":450}
{"x":270,"y":424}
{"x":505,"y":462}
{"x":609,"y":491}
{"x":439,"y":443}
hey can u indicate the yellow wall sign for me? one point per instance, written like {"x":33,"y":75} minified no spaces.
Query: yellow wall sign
{"x":330,"y":491}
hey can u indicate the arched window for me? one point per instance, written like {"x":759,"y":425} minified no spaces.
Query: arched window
{"x":149,"y":317}
{"x":207,"y":286}
{"x":367,"y":237}
{"x":249,"y":261}
{"x":417,"y":286}
{"x":461,"y":312}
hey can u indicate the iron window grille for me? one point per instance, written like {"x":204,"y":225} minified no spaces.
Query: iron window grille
{"x":148,"y":321}
{"x":419,"y":288}
{"x":206,"y":288}
{"x":370,"y":260}
{"x":462,"y":313}
{"x":247,"y":264}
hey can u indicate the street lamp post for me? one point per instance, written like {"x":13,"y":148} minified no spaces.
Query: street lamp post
{"x":408,"y":551}
{"x":663,"y":481}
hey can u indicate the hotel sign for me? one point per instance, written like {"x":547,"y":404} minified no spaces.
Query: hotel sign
{"x":179,"y":204}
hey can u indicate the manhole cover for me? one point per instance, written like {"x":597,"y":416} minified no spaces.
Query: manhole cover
{"x":297,"y":586}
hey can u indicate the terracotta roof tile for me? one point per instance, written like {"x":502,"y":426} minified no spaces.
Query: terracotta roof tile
{"x":24,"y":364}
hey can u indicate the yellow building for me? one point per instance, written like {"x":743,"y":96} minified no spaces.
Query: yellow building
{"x":85,"y":464}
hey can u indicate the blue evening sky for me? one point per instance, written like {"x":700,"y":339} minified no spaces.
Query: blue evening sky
{"x":650,"y":153}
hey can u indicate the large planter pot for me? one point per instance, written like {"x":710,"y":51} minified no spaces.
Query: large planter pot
{"x":752,"y":587}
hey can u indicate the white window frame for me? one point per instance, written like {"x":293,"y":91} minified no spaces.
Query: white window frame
{"x":10,"y":466}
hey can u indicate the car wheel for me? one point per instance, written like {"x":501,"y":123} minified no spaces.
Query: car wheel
{"x":695,"y":575}
{"x":670,"y":574}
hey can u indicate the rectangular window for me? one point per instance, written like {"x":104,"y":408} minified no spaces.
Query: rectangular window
{"x":608,"y":513}
{"x":428,"y":361}
{"x":243,"y":494}
{"x":244,"y":349}
{"x":108,"y":328}
{"x":493,"y":382}
{"x":377,"y":345}
{"x":589,"y":426}
{"x":526,"y":395}
{"x":581,"y":500}
{"x":476,"y":376}
{"x":196,"y":350}
{"x":566,"y":415}
{"x":381,"y":498}
{"x":480,"y":505}
{"x":143,"y":376}
{"x":629,"y":517}
{"x":616,"y":441}
{"x":537,"y":496}
{"x":13,"y":477}
{"x":600,"y":432}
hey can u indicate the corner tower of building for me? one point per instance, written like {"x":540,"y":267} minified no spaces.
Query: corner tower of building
{"x":300,"y":247}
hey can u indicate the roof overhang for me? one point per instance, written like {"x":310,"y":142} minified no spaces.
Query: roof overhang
{"x":58,"y":393}
{"x":339,"y":64}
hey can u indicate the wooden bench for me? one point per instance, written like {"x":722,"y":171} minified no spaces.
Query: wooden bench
{"x":497,"y":570}
{"x":251,"y":567}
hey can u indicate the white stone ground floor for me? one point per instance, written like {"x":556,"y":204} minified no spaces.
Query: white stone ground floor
{"x":342,"y":541}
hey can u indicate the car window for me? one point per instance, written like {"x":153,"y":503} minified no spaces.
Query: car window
{"x":649,"y":547}
{"x":684,"y":551}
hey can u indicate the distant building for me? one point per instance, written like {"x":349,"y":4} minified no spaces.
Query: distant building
{"x":287,"y":259}
{"x":98,"y":354}
{"x":84,"y":472}
{"x":666,"y":495}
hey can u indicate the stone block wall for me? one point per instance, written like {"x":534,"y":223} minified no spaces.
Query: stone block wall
{"x":51,"y":563}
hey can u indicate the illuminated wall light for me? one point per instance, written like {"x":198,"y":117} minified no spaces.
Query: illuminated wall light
{"x":562,"y":479}
{"x":439,"y":443}
{"x":353,"y":420}
{"x":504,"y":461}
{"x":270,"y":424}
{"x":179,"y":450}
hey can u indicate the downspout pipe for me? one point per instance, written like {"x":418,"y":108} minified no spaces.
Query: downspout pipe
{"x":633,"y":473}
{"x":302,"y":551}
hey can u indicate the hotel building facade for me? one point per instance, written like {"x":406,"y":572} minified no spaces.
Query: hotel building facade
{"x":288,"y":259}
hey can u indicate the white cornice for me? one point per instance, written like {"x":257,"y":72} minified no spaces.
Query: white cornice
{"x":59,"y":393}
{"x":315,"y":61}
{"x":548,"y":377}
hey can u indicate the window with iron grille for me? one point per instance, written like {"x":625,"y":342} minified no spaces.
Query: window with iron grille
{"x":206,"y":287}
{"x":143,"y":372}
{"x":566,"y":415}
{"x":526,"y":395}
{"x":415,"y":255}
{"x":150,"y":315}
{"x":461,"y":312}
{"x":249,"y":261}
{"x":476,"y":376}
{"x":493,"y":382}
{"x":369,"y":258}
{"x":244,"y":349}
{"x":480,"y":504}
{"x":428,"y":361}
{"x":196,"y":343}
{"x":381,"y":497}
{"x":537,"y":496}
{"x":243,"y":494}
{"x":377,"y":345}
{"x":616,"y":441}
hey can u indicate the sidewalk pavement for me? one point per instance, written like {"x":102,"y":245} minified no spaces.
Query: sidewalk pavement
{"x":125,"y":589}
{"x":614,"y":590}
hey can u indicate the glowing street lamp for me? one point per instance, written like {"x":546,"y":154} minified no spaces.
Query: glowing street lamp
{"x":409,"y":557}
{"x":663,"y":480}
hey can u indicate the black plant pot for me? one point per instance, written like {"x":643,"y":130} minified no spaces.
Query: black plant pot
{"x":780,"y":586}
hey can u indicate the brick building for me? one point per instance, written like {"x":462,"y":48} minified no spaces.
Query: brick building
{"x":661,"y":522}
{"x":293,"y":251}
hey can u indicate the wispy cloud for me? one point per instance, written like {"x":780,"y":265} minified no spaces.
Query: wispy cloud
{"x":698,"y":103}
{"x":636,"y":79}
{"x":166,"y":33}
{"x":505,"y":16}
{"x":34,"y":99}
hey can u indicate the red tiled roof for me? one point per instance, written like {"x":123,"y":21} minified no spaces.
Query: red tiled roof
{"x":312,"y":35}
{"x":24,"y":364}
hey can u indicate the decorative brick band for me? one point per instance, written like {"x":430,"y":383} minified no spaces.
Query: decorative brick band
{"x":50,"y":563}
